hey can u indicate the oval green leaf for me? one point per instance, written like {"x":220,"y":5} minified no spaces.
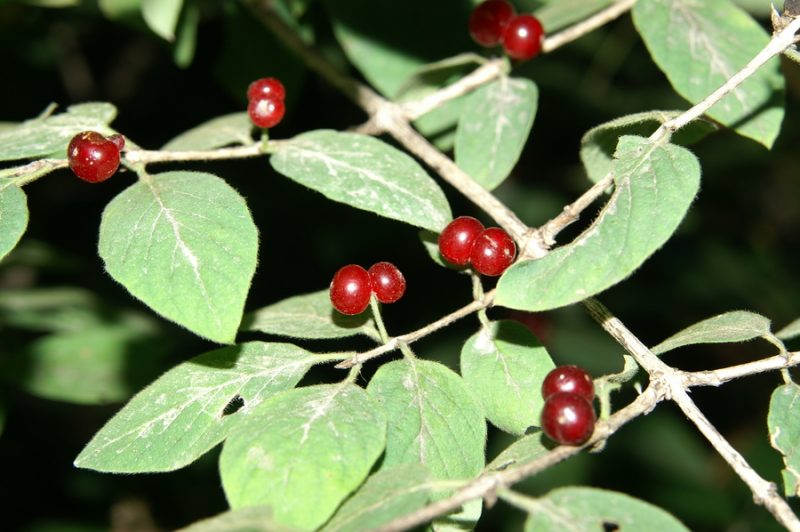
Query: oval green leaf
{"x":161,"y":16}
{"x":526,"y":449}
{"x":206,"y":397}
{"x":250,"y":519}
{"x":596,"y":509}
{"x":790,"y":331}
{"x":505,"y":365}
{"x":784,"y":433}
{"x":730,"y":327}
{"x":303,"y":452}
{"x":494,"y":128}
{"x":308,"y":316}
{"x":44,"y":136}
{"x":387,"y":494}
{"x":234,"y":128}
{"x":434,"y":419}
{"x":600,"y":142}
{"x":13,"y":216}
{"x":185,"y":244}
{"x":365,"y":173}
{"x":655,"y":185}
{"x":691,"y":42}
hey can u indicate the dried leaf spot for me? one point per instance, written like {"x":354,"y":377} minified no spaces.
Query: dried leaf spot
{"x":610,"y":527}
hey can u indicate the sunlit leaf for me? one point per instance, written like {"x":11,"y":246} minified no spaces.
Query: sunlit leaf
{"x":13,"y":216}
{"x":784,"y":433}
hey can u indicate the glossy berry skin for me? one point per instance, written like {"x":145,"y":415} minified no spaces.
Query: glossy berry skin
{"x":488,"y":21}
{"x":266,"y":88}
{"x":118,"y":140}
{"x":457,"y":239}
{"x":266,"y":112}
{"x":523,"y":37}
{"x":387,"y":282}
{"x":493,"y":252}
{"x":92,"y":157}
{"x":351,"y":290}
{"x":567,"y":418}
{"x":569,"y":379}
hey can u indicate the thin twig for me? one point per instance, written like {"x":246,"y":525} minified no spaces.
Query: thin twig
{"x":779,"y":42}
{"x":717,"y":377}
{"x":21,"y":175}
{"x":588,"y":25}
{"x":237,"y":152}
{"x":413,"y":336}
{"x":764,"y":492}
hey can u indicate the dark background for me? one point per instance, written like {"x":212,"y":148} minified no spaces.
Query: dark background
{"x":737,"y":249}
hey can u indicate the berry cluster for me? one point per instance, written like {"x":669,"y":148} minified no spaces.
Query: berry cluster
{"x":266,"y":107}
{"x":94,"y":157}
{"x":568,"y":415}
{"x":465,"y":241}
{"x":495,"y":22}
{"x":352,"y":286}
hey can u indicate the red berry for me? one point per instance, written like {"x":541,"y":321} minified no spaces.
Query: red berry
{"x":488,"y":20}
{"x":118,"y":140}
{"x":493,"y":252}
{"x":388,"y":282}
{"x":92,"y":157}
{"x":568,"y":379}
{"x":457,"y":239}
{"x":351,"y":289}
{"x":266,"y":88}
{"x":266,"y":112}
{"x":523,"y":37}
{"x":567,"y":418}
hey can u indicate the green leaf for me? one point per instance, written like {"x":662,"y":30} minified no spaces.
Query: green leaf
{"x":13,"y":216}
{"x":692,"y":44}
{"x":434,"y":419}
{"x":365,"y":173}
{"x":784,"y":433}
{"x":58,"y":309}
{"x":595,"y":509}
{"x":736,"y":326}
{"x":185,"y":43}
{"x":234,"y":128}
{"x":505,"y":365}
{"x":205,"y":397}
{"x":251,"y":519}
{"x":599,"y":143}
{"x":526,"y":449}
{"x":308,"y":316}
{"x":303,"y":452}
{"x":655,"y":185}
{"x":387,"y":494}
{"x":120,"y":9}
{"x":380,"y":45}
{"x":89,"y":366}
{"x":44,"y":136}
{"x":494,"y":128}
{"x":428,"y":78}
{"x":161,"y":16}
{"x":185,"y":244}
{"x":558,"y":14}
{"x":790,"y":331}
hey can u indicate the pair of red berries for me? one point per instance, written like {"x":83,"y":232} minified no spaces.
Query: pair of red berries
{"x":465,"y":241}
{"x":568,"y":414}
{"x":352,"y":286}
{"x":495,"y":22}
{"x":266,"y":107}
{"x":94,"y":157}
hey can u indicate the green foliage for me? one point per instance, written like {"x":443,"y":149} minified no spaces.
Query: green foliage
{"x":655,"y":184}
{"x":526,"y":449}
{"x":308,"y":316}
{"x":13,"y":216}
{"x":736,"y":326}
{"x":162,"y":16}
{"x":784,"y":433}
{"x":387,"y":494}
{"x":365,"y":173}
{"x":45,"y":135}
{"x":233,"y":128}
{"x":487,"y":150}
{"x":595,"y":509}
{"x":433,"y":418}
{"x":185,"y":244}
{"x":692,"y":42}
{"x":303,"y":452}
{"x":208,"y":395}
{"x":505,"y":365}
{"x":248,"y":519}
{"x":790,"y":331}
